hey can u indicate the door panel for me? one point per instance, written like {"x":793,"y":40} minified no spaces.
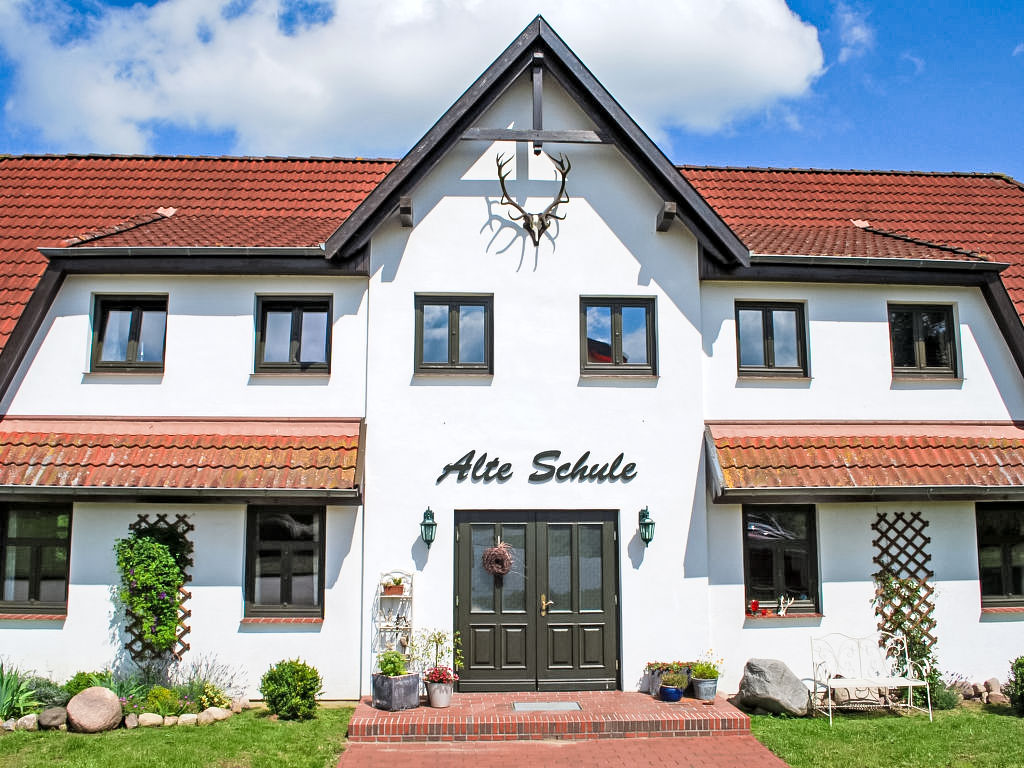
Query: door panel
{"x":551,"y":623}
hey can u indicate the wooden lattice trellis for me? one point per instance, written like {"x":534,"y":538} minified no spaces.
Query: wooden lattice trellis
{"x":901,"y":546}
{"x":137,"y":647}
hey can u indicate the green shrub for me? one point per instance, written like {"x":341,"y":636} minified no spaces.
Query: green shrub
{"x":945,"y":695}
{"x":1015,"y":686}
{"x":16,"y":695}
{"x":150,"y":579}
{"x":391,"y":663}
{"x":82,"y":680}
{"x":162,"y":701}
{"x":675,"y":679}
{"x":212,"y":696}
{"x":290,"y":689}
{"x":49,"y":693}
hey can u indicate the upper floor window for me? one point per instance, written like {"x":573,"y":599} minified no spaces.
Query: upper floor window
{"x":780,"y":556}
{"x":922,"y":340}
{"x":284,"y":561}
{"x":454,"y":334}
{"x":617,"y":336}
{"x":771,"y":339}
{"x":128,"y":333}
{"x":293,"y":334}
{"x":34,"y":544}
{"x":1001,"y":553}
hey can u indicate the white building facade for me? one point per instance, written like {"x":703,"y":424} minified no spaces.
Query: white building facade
{"x":765,"y":408}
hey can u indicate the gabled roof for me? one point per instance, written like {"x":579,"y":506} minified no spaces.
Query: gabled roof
{"x":558,"y":60}
{"x":891,"y":460}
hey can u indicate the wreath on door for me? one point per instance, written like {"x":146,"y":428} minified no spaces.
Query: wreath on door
{"x":497,"y":560}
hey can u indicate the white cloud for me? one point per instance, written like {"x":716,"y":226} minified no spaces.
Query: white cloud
{"x":1018,"y":50}
{"x":370,"y":78}
{"x":856,"y":36}
{"x":917,"y":61}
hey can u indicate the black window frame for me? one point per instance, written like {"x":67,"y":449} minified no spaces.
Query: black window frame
{"x":922,"y":369}
{"x":617,"y":367}
{"x":296,"y":305}
{"x":768,"y":339}
{"x":103,"y":304}
{"x":252,"y":546}
{"x":454,"y":302}
{"x":34,"y":605}
{"x":813,"y":604}
{"x":1007,"y":599}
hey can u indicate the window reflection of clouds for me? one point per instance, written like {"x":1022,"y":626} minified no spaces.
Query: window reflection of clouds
{"x":599,"y":324}
{"x":471,"y":334}
{"x":313,"y":346}
{"x":435,"y":333}
{"x":151,"y":337}
{"x":634,"y":335}
{"x":277,"y":339}
{"x":115,"y":336}
{"x":784,"y":326}
{"x":751,"y":337}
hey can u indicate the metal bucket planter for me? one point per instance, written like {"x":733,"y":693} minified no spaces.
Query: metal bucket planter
{"x":439,"y":694}
{"x":651,"y":682}
{"x":704,"y":689}
{"x":396,"y":693}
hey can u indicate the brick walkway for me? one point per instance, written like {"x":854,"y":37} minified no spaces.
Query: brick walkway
{"x":715,"y":752}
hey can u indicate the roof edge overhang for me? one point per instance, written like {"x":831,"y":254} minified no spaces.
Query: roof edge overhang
{"x":717,"y":240}
{"x":873,"y":261}
{"x":333,"y":496}
{"x":803,"y":494}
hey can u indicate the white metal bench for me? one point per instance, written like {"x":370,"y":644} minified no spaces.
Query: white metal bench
{"x":865,"y":669}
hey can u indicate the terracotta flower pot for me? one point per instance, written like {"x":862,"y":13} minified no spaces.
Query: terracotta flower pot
{"x":394,"y":589}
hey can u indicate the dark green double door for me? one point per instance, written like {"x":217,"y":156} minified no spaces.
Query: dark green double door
{"x":551,"y":623}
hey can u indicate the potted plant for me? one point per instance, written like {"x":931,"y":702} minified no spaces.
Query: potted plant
{"x":393,"y":586}
{"x":672,"y":685}
{"x":440,"y":655}
{"x":704,"y":676}
{"x":653,"y":672}
{"x":393,"y":688}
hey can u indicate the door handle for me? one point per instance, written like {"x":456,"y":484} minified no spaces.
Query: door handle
{"x":544,"y":603}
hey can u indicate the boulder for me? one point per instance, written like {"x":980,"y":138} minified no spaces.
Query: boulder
{"x":205,"y":718}
{"x":52,"y":717}
{"x":992,"y":685}
{"x":8,"y":725}
{"x":150,"y":720}
{"x":978,"y":690}
{"x":771,"y":685}
{"x":131,"y":721}
{"x":998,"y":698}
{"x":239,"y":703}
{"x":188,"y":719}
{"x":171,"y":720}
{"x":93,"y":710}
{"x":28,"y":723}
{"x":219,"y":713}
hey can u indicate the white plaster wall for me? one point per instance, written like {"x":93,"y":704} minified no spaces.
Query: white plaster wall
{"x":968,"y":643}
{"x":536,"y":400}
{"x":208,"y":363}
{"x":90,"y":637}
{"x":850,"y":360}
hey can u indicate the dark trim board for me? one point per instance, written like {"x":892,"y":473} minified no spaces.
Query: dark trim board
{"x":804,"y":495}
{"x":331,"y":496}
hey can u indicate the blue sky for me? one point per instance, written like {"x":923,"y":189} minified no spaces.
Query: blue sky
{"x":811,"y":83}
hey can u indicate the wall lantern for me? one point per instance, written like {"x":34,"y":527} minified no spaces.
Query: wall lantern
{"x":646,"y":526}
{"x":428,"y":528}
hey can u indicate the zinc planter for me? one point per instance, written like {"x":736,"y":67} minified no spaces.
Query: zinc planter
{"x":703,"y":689}
{"x":396,"y":693}
{"x":439,"y":694}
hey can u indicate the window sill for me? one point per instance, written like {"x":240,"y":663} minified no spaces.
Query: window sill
{"x":282,"y":620}
{"x":787,"y":617}
{"x":619,"y":375}
{"x":137,"y":373}
{"x":929,"y":378}
{"x":33,"y":616}
{"x":773,"y":377}
{"x":995,"y":609}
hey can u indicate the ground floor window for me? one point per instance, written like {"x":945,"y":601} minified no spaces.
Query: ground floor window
{"x":780,"y":556}
{"x":1001,"y":554}
{"x":284,"y":561}
{"x":34,"y":545}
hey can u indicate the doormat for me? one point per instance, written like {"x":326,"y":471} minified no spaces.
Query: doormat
{"x":546,"y":706}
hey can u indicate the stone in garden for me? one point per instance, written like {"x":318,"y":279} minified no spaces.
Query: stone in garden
{"x":188,"y":719}
{"x":171,"y":720}
{"x":8,"y":725}
{"x":131,"y":721}
{"x":150,"y":719}
{"x":978,"y":690}
{"x":28,"y":723}
{"x":984,"y":697}
{"x":771,"y":685}
{"x":239,"y":703}
{"x":992,"y":684}
{"x":93,"y":710}
{"x":998,"y":698}
{"x":206,"y":718}
{"x":52,"y":717}
{"x":219,"y":713}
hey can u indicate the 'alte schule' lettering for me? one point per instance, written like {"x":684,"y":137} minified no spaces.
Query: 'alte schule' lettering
{"x":546,"y":467}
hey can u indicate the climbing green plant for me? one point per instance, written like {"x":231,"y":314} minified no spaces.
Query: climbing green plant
{"x":895,"y":603}
{"x":150,"y":579}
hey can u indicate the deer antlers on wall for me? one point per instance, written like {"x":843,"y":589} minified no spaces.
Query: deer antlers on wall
{"x":536,"y":224}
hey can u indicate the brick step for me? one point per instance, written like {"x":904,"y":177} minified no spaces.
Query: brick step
{"x":602,"y":715}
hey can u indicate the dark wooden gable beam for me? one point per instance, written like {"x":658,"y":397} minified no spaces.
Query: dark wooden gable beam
{"x":717,"y":240}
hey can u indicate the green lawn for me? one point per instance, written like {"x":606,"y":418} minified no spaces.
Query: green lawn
{"x":249,"y":740}
{"x":989,"y":737}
